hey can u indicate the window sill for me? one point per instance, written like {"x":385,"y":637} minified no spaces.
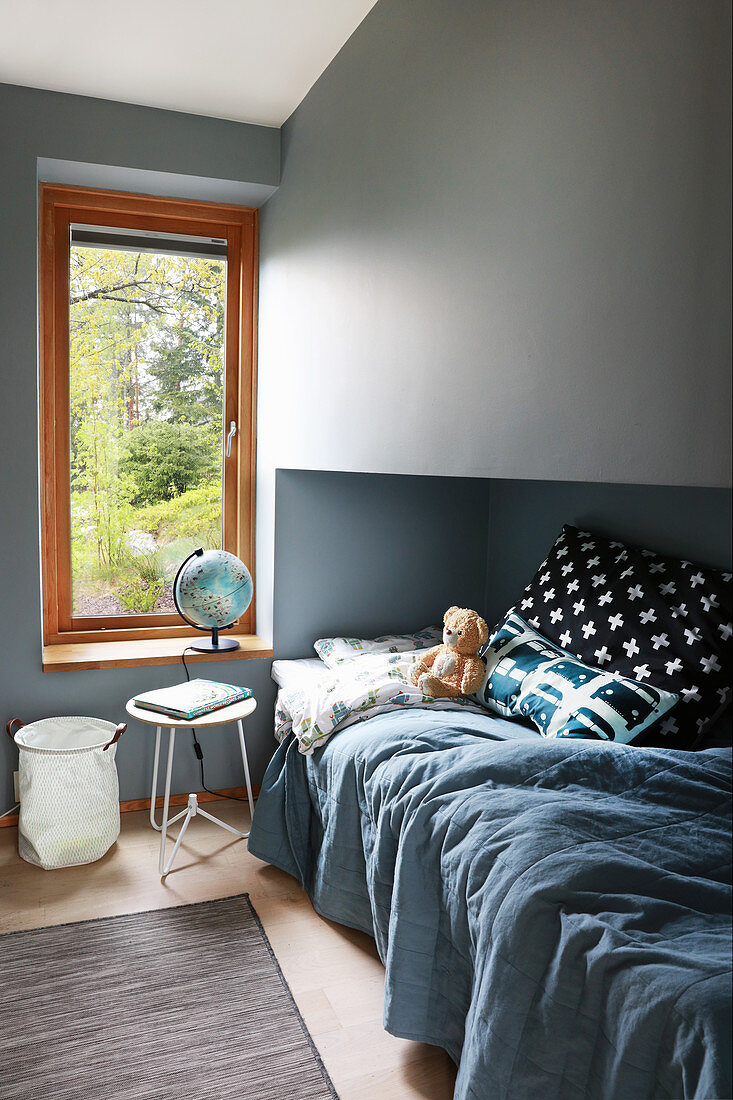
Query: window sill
{"x":71,"y":656}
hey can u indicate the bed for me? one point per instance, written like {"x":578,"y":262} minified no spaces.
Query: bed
{"x":555,"y":913}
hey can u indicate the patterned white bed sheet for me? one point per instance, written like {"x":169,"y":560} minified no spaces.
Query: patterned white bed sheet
{"x":316,"y":702}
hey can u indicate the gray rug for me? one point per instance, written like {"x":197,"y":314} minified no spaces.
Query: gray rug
{"x":185,"y":1002}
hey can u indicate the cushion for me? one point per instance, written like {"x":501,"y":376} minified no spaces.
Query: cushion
{"x":659,"y":620}
{"x":334,"y":651}
{"x":529,"y":677}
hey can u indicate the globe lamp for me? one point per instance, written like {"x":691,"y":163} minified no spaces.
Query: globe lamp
{"x":211,"y":590}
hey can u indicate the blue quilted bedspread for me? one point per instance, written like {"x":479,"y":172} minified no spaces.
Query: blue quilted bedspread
{"x":555,"y":914}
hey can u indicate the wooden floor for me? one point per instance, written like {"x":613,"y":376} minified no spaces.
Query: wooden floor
{"x":334,"y":973}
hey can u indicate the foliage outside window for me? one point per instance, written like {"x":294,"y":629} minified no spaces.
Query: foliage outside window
{"x":146,"y":363}
{"x":146,"y":353}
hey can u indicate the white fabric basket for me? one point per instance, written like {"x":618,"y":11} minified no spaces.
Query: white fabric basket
{"x":69,"y":795}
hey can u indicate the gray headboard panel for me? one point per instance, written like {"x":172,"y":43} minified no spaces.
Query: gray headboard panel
{"x":526,"y":517}
{"x":367,"y":553}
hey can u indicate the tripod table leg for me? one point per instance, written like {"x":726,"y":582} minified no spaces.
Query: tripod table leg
{"x":248,"y":781}
{"x":154,"y":792}
{"x":166,"y":797}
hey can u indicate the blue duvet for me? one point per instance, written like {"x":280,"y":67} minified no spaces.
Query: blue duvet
{"x":555,"y":914}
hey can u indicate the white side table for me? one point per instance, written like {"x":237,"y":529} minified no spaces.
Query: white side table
{"x":221,"y":717}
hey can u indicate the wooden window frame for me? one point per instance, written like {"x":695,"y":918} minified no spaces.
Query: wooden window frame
{"x":59,"y":207}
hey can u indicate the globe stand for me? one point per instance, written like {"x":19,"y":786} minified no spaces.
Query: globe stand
{"x":215,"y":644}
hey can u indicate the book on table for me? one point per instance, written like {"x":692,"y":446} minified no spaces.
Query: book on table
{"x":192,"y":698}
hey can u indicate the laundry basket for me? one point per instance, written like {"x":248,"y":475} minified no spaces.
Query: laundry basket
{"x":69,"y":795}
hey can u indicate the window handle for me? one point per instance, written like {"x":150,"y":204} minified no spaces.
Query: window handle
{"x":230,"y":436}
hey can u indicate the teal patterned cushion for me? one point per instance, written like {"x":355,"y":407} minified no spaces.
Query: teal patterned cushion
{"x":529,"y":677}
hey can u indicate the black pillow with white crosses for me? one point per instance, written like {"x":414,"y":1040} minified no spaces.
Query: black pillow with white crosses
{"x":648,"y":617}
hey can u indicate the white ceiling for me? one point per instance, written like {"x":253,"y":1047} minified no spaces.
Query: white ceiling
{"x":249,"y":60}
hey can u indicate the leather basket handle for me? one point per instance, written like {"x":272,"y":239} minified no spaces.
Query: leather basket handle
{"x":9,"y":727}
{"x":118,"y":734}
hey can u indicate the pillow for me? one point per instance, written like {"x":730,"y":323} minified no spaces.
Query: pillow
{"x":664,"y":622}
{"x":529,"y":677}
{"x":287,"y":674}
{"x":334,"y":651}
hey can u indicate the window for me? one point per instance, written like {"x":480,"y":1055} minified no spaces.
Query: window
{"x":147,"y":328}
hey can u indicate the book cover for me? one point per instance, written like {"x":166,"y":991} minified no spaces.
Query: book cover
{"x":192,"y":698}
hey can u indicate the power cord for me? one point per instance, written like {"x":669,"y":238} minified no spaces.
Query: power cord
{"x":197,"y":746}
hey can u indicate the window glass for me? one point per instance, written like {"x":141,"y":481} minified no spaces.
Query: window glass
{"x":146,"y":381}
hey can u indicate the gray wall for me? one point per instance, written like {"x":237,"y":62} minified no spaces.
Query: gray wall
{"x":501,"y":246}
{"x":36,"y":124}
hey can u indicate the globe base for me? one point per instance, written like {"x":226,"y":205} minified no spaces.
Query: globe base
{"x":215,"y":645}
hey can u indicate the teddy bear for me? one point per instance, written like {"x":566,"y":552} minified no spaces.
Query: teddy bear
{"x":453,"y":668}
